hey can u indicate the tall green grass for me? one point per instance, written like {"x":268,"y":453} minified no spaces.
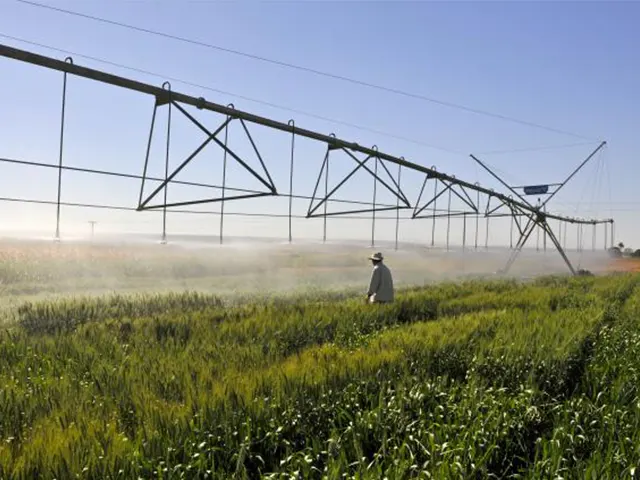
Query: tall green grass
{"x":470,"y":379}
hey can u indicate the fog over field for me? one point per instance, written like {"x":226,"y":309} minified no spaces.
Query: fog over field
{"x":39,"y":266}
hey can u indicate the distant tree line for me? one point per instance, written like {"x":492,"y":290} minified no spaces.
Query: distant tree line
{"x":621,"y":251}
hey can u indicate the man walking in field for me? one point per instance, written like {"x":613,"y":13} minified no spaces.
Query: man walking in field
{"x":381,"y":285}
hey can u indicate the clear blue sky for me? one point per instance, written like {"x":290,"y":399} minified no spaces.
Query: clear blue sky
{"x":571,"y":66}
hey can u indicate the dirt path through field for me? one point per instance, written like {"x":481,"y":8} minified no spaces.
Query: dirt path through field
{"x":624,"y":265}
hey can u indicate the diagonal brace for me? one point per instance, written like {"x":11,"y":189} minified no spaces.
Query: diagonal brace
{"x":164,"y":183}
{"x":315,"y":190}
{"x":524,"y":236}
{"x":475,"y":207}
{"x":395,"y":183}
{"x":424,"y":184}
{"x":547,"y":228}
{"x":495,"y":209}
{"x":255,"y":149}
{"x":435,"y":197}
{"x":344,"y":180}
{"x":467,"y":200}
{"x":402,"y":198}
{"x":270,"y":186}
{"x":537,"y":219}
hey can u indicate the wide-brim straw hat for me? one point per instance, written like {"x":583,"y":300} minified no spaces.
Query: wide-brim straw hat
{"x":376,"y":256}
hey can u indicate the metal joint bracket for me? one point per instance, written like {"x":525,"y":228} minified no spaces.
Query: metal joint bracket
{"x":163,"y":97}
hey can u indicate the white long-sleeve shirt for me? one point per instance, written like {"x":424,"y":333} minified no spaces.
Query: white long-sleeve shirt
{"x":381,"y":285}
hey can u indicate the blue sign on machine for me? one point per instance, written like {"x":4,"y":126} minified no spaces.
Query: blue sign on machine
{"x":536,"y":189}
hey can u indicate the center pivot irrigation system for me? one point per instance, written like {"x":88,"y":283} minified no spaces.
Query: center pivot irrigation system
{"x":478,"y":201}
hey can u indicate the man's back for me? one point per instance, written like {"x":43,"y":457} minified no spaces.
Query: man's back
{"x":381,"y":287}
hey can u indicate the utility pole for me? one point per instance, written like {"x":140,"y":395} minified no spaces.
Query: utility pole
{"x":93,"y":223}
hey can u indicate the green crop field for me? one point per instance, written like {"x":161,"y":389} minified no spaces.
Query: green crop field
{"x":468,"y":379}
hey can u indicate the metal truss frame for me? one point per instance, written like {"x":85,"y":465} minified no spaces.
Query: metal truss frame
{"x":537,"y":215}
{"x":211,"y":137}
{"x":316,"y":202}
{"x":525,"y":216}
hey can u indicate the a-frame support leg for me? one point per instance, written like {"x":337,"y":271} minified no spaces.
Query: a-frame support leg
{"x":524,"y":236}
{"x":555,"y":241}
{"x":537,"y":220}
